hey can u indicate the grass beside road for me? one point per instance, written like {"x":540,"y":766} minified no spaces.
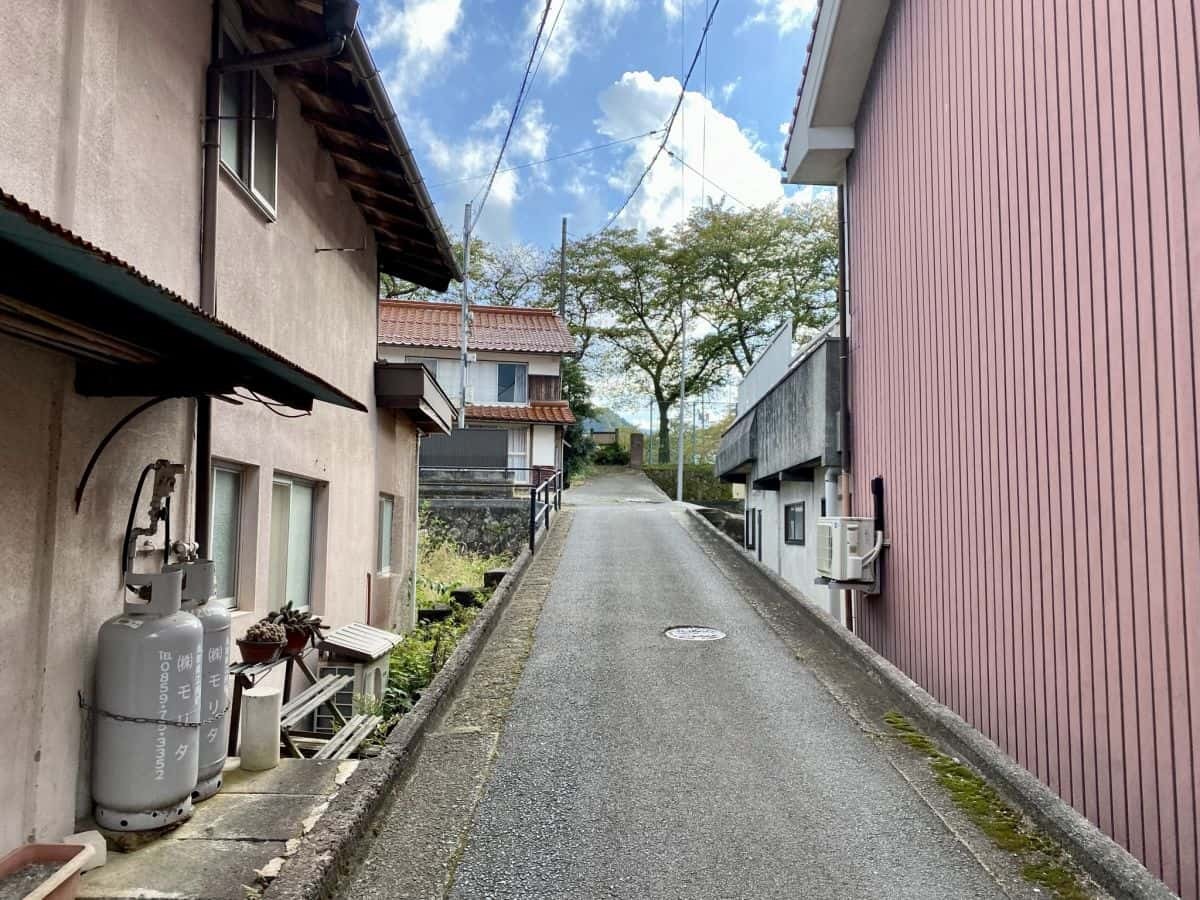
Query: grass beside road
{"x":1043,"y":861}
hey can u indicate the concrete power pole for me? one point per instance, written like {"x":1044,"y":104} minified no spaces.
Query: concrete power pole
{"x":562,"y":272}
{"x":682,"y":393}
{"x":465,"y":325}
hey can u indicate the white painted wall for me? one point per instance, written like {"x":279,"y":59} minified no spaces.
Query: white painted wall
{"x":544,"y":446}
{"x":796,"y":563}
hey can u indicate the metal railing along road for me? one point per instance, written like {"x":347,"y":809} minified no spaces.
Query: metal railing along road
{"x":545,"y":497}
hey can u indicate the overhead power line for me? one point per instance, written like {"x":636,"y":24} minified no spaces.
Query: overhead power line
{"x":670,"y":120}
{"x":550,"y":159}
{"x":512,"y":120}
{"x":683,"y":162}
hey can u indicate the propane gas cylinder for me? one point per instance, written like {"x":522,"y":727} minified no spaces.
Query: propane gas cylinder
{"x":148,"y":670}
{"x":199,"y":588}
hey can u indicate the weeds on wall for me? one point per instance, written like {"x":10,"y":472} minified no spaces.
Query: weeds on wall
{"x":416,"y":660}
{"x":444,"y":565}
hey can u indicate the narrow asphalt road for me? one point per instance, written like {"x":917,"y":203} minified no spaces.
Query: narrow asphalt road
{"x":637,"y":766}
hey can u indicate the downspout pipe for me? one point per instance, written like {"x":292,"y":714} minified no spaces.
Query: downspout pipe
{"x":217,"y":67}
{"x":844,"y":414}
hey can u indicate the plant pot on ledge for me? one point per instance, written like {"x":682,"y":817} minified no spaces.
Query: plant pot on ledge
{"x":300,"y":627}
{"x":262,"y":643}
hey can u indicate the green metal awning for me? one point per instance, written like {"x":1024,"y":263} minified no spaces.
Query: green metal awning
{"x":133,"y":336}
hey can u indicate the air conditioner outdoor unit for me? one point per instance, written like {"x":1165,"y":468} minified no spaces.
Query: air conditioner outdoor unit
{"x":370,"y":680}
{"x":847,"y":548}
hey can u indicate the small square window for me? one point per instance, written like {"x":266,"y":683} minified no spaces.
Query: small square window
{"x":793,"y":523}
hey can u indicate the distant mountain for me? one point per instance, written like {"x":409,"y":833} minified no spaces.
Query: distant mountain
{"x":605,"y":420}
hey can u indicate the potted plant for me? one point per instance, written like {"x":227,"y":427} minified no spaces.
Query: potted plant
{"x":44,"y":870}
{"x":263,"y":642}
{"x":300,"y":626}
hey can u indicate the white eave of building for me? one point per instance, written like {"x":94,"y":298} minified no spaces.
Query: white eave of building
{"x":845,"y":38}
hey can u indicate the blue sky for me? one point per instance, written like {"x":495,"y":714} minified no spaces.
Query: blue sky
{"x":611,"y":70}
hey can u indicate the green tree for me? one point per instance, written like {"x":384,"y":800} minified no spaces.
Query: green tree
{"x":750,"y":270}
{"x":639,"y":301}
{"x":578,"y":394}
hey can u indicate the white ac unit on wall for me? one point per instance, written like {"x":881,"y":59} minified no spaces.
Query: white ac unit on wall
{"x":847,"y":548}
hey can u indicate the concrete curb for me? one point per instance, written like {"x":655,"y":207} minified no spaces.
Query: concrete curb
{"x":1112,"y":867}
{"x":328,"y":851}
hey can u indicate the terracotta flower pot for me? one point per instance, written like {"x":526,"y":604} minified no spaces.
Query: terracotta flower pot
{"x":61,"y":882}
{"x":296,"y":641}
{"x":259,"y":651}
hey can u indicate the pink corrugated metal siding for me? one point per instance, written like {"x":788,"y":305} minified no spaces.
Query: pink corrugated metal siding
{"x":1024,"y":228}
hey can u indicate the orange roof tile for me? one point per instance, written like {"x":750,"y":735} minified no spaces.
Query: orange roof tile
{"x":511,"y":328}
{"x":550,"y":412}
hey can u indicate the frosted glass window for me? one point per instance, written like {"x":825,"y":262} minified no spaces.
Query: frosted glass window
{"x":292,"y":505}
{"x":225,"y":523}
{"x":387,"y":507}
{"x":518,"y":453}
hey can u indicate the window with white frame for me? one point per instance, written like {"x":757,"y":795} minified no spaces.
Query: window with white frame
{"x":249,"y":129}
{"x":293,"y":503}
{"x":383,"y":554}
{"x":225,"y":531}
{"x":511,"y":382}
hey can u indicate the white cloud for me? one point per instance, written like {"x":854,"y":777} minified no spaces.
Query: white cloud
{"x":786,"y":15}
{"x":672,"y":8}
{"x":719,"y":147}
{"x":476,"y":154}
{"x":422,"y":32}
{"x":726,"y":90}
{"x":577,"y":24}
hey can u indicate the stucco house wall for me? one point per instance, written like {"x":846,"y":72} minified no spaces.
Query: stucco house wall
{"x":101,"y":113}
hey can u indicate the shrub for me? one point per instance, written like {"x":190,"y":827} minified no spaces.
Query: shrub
{"x":700,"y":483}
{"x":611,"y":455}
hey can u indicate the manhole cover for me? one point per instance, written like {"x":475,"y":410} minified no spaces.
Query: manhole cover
{"x":694,"y":633}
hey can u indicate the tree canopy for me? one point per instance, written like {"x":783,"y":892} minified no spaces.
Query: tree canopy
{"x":743,"y":273}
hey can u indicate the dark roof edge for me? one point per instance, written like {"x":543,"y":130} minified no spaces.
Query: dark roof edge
{"x":360,"y":53}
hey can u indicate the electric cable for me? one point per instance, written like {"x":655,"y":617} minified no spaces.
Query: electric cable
{"x":512,"y":120}
{"x":683,"y":162}
{"x":550,"y":159}
{"x":670,"y":121}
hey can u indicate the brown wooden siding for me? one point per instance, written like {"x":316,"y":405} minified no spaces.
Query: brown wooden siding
{"x":1024,"y":234}
{"x":545,"y":387}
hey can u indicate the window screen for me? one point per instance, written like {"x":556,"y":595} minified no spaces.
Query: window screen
{"x":387,"y":506}
{"x":225,"y":523}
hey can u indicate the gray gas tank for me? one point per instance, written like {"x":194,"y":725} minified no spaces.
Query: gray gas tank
{"x":199,"y":588}
{"x":148,"y":666}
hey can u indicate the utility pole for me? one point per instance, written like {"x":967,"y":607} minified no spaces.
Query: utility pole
{"x":682,"y":392}
{"x":562,"y":273}
{"x":650,"y":450}
{"x":465,"y":325}
{"x":693,"y":432}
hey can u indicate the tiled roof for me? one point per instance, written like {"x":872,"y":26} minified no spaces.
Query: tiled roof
{"x":511,"y":328}
{"x":552,"y":412}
